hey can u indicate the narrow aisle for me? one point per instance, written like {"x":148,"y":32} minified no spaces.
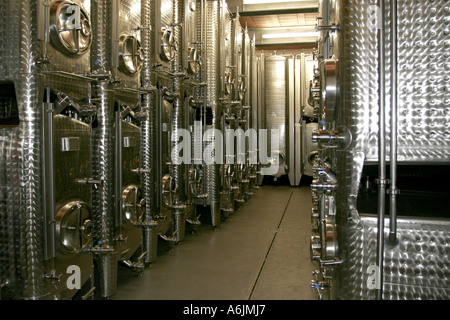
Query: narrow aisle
{"x":259,"y":252}
{"x":287,"y":272}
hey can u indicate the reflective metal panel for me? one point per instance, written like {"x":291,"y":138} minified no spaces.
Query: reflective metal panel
{"x":70,"y":28}
{"x":276,"y":104}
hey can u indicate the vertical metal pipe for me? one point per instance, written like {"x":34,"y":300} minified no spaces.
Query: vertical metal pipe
{"x":118,"y":170}
{"x":381,"y":151}
{"x":150,"y":235}
{"x":394,"y":110}
{"x":177,"y":123}
{"x":48,"y":179}
{"x":212,"y":93}
{"x":32,"y":228}
{"x":103,"y":168}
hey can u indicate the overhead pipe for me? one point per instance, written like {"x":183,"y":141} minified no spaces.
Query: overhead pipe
{"x":382,"y":181}
{"x":393,"y":191}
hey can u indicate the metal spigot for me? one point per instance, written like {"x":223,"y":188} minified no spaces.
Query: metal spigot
{"x":332,"y":139}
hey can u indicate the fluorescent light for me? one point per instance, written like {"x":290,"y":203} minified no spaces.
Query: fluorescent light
{"x":136,"y":7}
{"x":290,"y":35}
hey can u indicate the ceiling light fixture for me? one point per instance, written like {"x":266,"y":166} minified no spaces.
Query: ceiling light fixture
{"x":267,"y":1}
{"x":291,"y":35}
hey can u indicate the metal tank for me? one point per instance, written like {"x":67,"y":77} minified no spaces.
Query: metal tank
{"x":276,"y":109}
{"x":46,"y":150}
{"x":128,"y":59}
{"x":103,"y":149}
{"x":208,"y":114}
{"x":285,"y":85}
{"x":380,"y":101}
{"x":227,"y":202}
{"x":305,"y":118}
{"x":253,"y":159}
{"x":244,"y":116}
{"x":238,"y":89}
{"x":117,"y":58}
{"x":148,"y":223}
{"x":191,"y":84}
{"x":168,"y":115}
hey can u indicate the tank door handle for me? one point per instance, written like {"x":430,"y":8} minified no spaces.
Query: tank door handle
{"x":141,"y":170}
{"x":95,"y":183}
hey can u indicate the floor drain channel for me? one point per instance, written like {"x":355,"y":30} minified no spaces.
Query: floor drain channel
{"x":277,"y":229}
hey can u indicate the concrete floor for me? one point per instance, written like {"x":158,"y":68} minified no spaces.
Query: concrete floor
{"x":261,"y":252}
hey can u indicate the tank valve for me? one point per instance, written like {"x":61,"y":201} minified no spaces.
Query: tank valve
{"x":320,"y":283}
{"x":89,"y":181}
{"x":95,"y":183}
{"x":332,"y":139}
{"x":316,"y":247}
{"x":141,"y":170}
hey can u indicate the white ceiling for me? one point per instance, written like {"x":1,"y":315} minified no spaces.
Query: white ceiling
{"x":267,"y":17}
